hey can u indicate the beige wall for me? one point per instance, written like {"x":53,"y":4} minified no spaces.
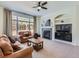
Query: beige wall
{"x":77,"y":25}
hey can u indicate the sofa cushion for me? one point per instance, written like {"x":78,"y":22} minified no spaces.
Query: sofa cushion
{"x":5,"y":46}
{"x":11,"y":39}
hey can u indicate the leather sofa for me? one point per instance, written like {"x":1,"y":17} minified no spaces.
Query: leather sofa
{"x":23,"y":53}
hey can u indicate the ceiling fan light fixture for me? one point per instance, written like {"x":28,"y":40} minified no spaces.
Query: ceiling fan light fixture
{"x":39,"y":8}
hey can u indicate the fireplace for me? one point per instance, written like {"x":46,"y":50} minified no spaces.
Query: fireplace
{"x":47,"y":33}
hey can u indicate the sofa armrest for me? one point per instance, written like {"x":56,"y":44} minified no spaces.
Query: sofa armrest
{"x":26,"y":52}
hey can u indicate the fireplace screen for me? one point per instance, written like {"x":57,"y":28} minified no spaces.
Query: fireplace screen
{"x":47,"y":33}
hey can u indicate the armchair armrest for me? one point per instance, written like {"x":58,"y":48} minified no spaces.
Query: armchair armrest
{"x":26,"y":52}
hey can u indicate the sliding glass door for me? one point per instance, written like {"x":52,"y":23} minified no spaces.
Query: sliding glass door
{"x":21,"y":24}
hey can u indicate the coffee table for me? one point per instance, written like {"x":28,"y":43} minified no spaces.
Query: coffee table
{"x":36,"y":46}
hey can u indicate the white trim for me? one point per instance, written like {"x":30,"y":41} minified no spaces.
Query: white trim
{"x":63,"y":41}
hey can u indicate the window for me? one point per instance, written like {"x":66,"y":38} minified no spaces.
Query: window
{"x":14,"y":26}
{"x":20,"y":24}
{"x":23,"y":24}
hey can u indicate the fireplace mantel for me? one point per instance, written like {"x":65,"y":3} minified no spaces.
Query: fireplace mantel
{"x":47,"y":27}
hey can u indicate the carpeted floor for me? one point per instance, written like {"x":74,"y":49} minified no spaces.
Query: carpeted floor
{"x":54,"y":49}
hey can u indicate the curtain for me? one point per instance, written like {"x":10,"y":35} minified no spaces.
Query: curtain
{"x":35,"y":23}
{"x":7,"y":22}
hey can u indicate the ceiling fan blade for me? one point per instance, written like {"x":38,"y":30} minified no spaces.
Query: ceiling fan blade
{"x":44,"y":7}
{"x":39,"y":3}
{"x":35,"y":6}
{"x":44,"y":3}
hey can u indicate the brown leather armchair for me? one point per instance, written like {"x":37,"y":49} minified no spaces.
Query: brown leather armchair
{"x":23,"y":53}
{"x":24,"y":38}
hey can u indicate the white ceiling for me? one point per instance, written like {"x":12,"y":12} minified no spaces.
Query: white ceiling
{"x":26,"y":6}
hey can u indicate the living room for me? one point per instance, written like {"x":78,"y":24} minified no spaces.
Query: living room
{"x":55,"y":23}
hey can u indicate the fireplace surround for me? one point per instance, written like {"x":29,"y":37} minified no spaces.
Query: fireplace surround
{"x":47,"y":33}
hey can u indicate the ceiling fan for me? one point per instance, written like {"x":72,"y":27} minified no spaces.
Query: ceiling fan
{"x":40,"y":5}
